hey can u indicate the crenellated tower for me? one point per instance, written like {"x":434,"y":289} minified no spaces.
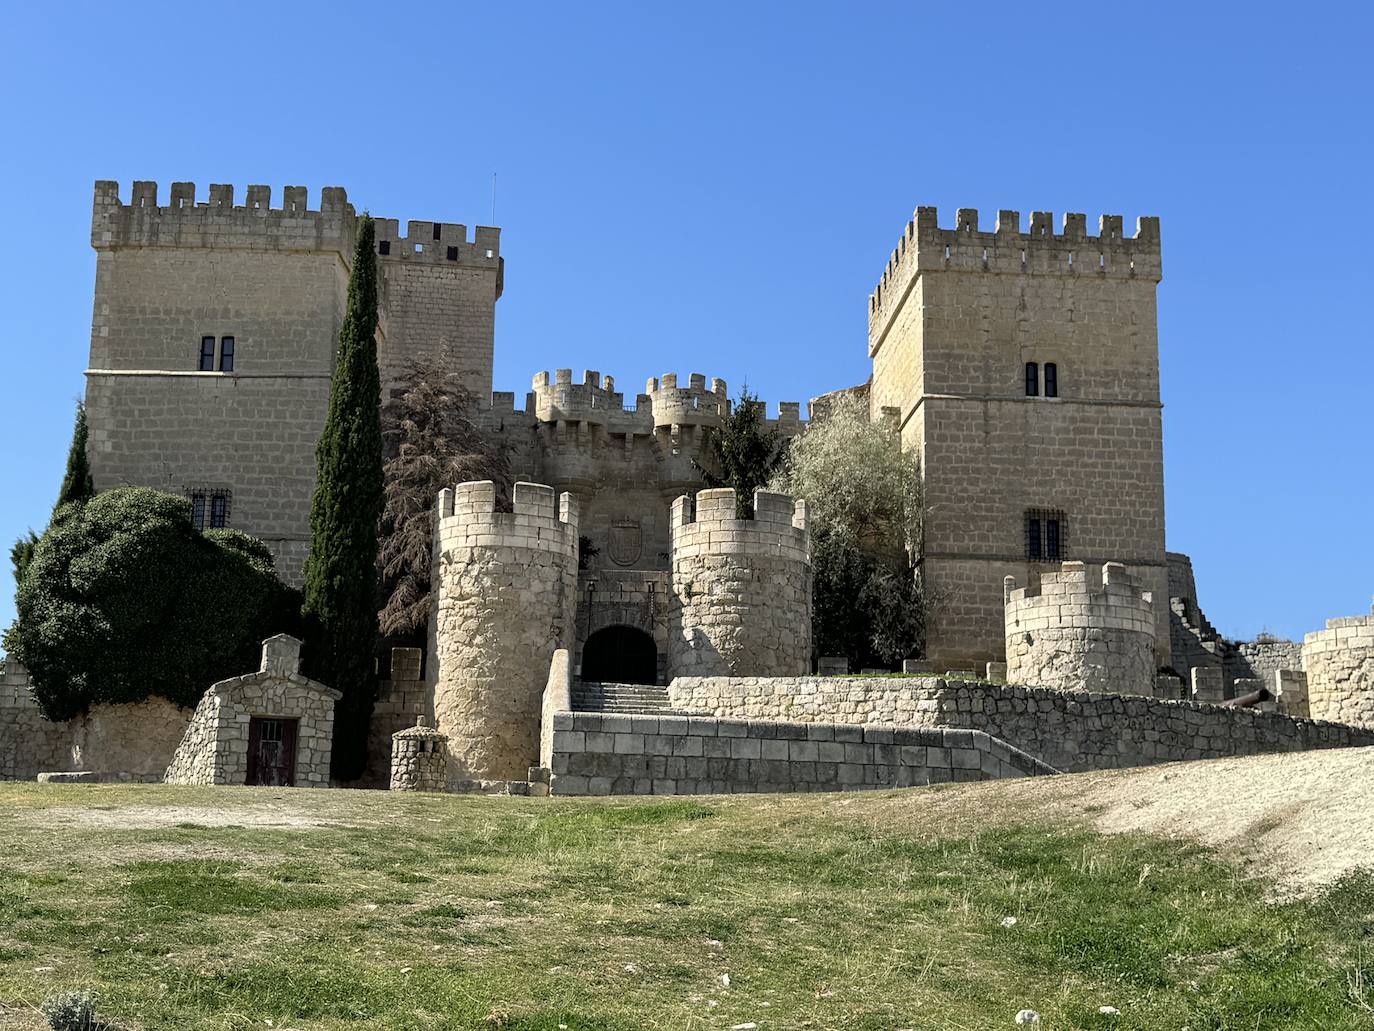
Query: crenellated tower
{"x":214,"y":331}
{"x":1024,"y":370}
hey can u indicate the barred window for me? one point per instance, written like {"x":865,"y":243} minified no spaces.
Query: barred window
{"x":209,"y":507}
{"x":1045,"y":535}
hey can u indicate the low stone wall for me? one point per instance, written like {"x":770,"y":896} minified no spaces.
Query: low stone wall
{"x":1340,"y":670}
{"x":1069,"y":730}
{"x":601,"y":754}
{"x":118,"y":742}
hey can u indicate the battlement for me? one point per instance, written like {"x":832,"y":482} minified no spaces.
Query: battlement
{"x":690,"y":405}
{"x":708,"y":525}
{"x":256,"y":225}
{"x":468,"y":516}
{"x":595,"y":400}
{"x":1072,"y":581}
{"x":924,"y":246}
{"x":1071,"y":599}
{"x":1344,"y":623}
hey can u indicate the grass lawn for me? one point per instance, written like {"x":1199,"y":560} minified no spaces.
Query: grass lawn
{"x":256,"y":908}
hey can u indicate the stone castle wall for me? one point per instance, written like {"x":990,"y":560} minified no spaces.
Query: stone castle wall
{"x":1339,"y":662}
{"x":956,"y":316}
{"x":1072,"y":731}
{"x":505,"y":586}
{"x":679,"y":755}
{"x":129,"y":741}
{"x":741,"y":600}
{"x":1073,"y":632}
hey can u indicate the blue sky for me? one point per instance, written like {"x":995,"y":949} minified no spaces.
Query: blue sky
{"x":715,"y":188}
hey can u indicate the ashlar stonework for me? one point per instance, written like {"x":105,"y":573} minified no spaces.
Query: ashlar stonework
{"x":215,"y":748}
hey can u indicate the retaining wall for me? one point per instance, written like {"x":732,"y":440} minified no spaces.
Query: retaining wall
{"x":1069,"y":730}
{"x":599,"y":754}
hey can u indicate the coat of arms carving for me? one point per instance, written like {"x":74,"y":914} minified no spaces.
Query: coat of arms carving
{"x":625,"y":543}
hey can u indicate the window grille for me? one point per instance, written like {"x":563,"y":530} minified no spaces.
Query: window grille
{"x":1046,"y":535}
{"x":209,"y":507}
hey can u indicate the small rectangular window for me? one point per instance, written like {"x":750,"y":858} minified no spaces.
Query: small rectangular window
{"x":1032,"y":379}
{"x":198,"y":510}
{"x":453,"y":254}
{"x":209,"y":507}
{"x":219,"y":510}
{"x":437,"y":227}
{"x":226,"y":354}
{"x":1045,"y":532}
{"x":384,"y":247}
{"x":1051,"y":379}
{"x":207,"y":354}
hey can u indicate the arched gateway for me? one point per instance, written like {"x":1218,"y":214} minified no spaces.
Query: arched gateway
{"x":620,"y":655}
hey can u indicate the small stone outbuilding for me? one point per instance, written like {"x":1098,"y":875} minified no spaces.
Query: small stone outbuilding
{"x":273,"y":727}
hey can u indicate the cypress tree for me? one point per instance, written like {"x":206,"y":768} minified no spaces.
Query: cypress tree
{"x":340,"y":598}
{"x":743,"y":453}
{"x":77,"y":484}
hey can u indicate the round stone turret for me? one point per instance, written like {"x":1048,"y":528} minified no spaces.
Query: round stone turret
{"x":692,"y":405}
{"x":505,"y":586}
{"x":419,"y":758}
{"x":1339,"y":662}
{"x":1073,"y":633}
{"x":741,"y":603}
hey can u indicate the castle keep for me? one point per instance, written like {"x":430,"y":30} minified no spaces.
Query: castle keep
{"x":619,"y":629}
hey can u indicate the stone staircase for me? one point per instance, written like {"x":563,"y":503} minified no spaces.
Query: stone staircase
{"x":638,"y":699}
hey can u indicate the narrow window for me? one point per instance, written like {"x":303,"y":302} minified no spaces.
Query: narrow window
{"x":437,"y":227}
{"x":1045,"y":535}
{"x":198,"y":510}
{"x":1051,"y":379}
{"x":207,"y":354}
{"x":384,"y":247}
{"x":453,"y":254}
{"x":1032,"y":379}
{"x":226,"y":354}
{"x":219,"y":510}
{"x":1033,"y":539}
{"x":1052,"y":540}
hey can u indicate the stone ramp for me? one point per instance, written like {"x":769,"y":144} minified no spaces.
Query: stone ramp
{"x":627,"y":699}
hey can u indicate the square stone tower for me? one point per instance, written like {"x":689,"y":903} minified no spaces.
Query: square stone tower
{"x":1025,"y":370}
{"x":214,"y":333}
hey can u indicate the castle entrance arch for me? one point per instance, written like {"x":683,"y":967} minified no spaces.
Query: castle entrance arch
{"x":620,"y":655}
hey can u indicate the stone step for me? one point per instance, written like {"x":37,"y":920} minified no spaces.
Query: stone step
{"x":628,"y":699}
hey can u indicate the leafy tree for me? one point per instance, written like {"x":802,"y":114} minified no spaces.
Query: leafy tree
{"x":430,"y":441}
{"x":743,"y":453}
{"x":864,"y":503}
{"x":341,"y":570}
{"x":76,"y":486}
{"x":124,"y":599}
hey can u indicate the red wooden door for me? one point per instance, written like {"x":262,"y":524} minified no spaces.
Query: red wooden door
{"x":271,"y":752}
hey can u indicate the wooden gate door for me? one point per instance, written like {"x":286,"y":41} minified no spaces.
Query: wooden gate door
{"x":271,"y":752}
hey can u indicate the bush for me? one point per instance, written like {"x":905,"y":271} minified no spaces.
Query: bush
{"x":863,"y":495}
{"x":71,"y":1011}
{"x":125,"y":599}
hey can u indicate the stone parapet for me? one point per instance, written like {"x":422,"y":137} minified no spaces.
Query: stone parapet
{"x":1008,"y":251}
{"x":741,"y":589}
{"x":1339,"y":663}
{"x":1075,"y":633}
{"x":680,"y":755}
{"x":505,"y":590}
{"x":1071,"y":730}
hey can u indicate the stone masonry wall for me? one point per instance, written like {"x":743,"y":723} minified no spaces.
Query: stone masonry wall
{"x":505,"y":587}
{"x":1073,"y":634}
{"x":678,"y":755}
{"x":1339,"y":662}
{"x":1070,"y":730}
{"x":129,"y":741}
{"x":741,"y":601}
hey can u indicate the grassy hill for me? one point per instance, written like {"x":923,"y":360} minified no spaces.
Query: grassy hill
{"x":254,"y":908}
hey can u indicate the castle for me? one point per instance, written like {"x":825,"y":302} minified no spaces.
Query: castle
{"x":1023,"y":369}
{"x":620,"y":630}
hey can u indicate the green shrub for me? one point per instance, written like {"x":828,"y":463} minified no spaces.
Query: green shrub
{"x":125,"y":599}
{"x":71,"y":1011}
